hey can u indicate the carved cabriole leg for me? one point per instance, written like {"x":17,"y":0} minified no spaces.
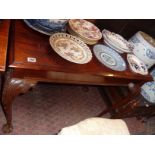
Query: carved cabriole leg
{"x":12,"y":88}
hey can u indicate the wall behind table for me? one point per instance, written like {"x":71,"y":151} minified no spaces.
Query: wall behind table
{"x":127,"y":27}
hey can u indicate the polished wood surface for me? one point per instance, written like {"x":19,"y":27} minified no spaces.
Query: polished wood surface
{"x":25,"y":43}
{"x":4,"y":36}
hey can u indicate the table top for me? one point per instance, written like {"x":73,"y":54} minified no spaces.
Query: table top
{"x":4,"y":35}
{"x":26,"y":43}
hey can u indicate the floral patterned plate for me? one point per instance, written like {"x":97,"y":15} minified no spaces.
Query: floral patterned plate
{"x":117,"y":41}
{"x":137,"y":65}
{"x":85,"y":29}
{"x":113,"y":47}
{"x":109,"y":57}
{"x":70,"y":48}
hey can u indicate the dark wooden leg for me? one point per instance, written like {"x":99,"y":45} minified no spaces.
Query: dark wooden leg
{"x":12,"y":88}
{"x":126,"y":101}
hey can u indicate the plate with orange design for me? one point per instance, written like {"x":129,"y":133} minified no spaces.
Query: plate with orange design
{"x":70,"y":48}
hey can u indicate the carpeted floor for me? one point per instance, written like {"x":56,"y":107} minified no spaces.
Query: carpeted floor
{"x":48,"y":108}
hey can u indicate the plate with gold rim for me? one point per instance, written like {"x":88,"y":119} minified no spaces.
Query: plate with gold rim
{"x":85,"y":29}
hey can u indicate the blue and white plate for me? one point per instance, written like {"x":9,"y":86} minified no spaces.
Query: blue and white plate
{"x":144,"y":48}
{"x":109,"y":57}
{"x":137,"y":65}
{"x":153,"y":73}
{"x":52,"y":23}
{"x":148,"y":91}
{"x":47,"y":28}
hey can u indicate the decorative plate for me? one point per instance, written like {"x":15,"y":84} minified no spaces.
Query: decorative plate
{"x":137,"y":65}
{"x":117,"y":41}
{"x":153,"y":73}
{"x":113,"y":47}
{"x":48,"y":30}
{"x":70,"y":48}
{"x":109,"y":57}
{"x":52,"y":23}
{"x":148,"y":91}
{"x":89,"y":42}
{"x":144,"y":48}
{"x":85,"y":29}
{"x":150,"y":40}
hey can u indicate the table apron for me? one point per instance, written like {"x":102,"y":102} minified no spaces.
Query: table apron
{"x":71,"y":78}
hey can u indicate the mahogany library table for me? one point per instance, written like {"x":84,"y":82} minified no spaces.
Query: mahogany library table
{"x":31,"y":60}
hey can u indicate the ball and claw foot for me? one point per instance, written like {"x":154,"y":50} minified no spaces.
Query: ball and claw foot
{"x":7,"y":128}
